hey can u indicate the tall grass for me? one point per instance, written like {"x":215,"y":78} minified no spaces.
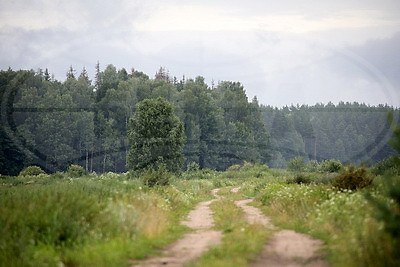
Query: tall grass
{"x":92,"y":220}
{"x":343,"y":219}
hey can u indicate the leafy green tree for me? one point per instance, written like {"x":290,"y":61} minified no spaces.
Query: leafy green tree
{"x":11,"y":156}
{"x":231,"y":96}
{"x":241,"y":144}
{"x":203,"y":122}
{"x":155,"y":137}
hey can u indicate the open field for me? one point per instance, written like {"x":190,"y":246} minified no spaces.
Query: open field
{"x":111,"y":220}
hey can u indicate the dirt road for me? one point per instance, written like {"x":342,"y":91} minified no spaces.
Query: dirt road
{"x":285,"y":247}
{"x":194,"y":244}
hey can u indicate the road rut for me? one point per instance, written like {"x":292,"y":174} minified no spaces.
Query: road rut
{"x":194,"y":244}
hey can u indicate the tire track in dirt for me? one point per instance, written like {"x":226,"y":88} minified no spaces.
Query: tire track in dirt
{"x":285,"y":247}
{"x":194,"y":244}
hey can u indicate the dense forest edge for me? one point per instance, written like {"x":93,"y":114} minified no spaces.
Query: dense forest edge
{"x":54,"y":124}
{"x":67,"y":198}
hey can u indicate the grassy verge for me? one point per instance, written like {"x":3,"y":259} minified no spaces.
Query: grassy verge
{"x":344,"y":220}
{"x":241,"y":242}
{"x":101,"y":220}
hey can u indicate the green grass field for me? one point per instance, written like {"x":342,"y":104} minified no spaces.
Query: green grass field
{"x":109,"y":219}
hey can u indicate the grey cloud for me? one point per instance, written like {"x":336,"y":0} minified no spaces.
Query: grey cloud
{"x":279,"y":69}
{"x":384,"y":54}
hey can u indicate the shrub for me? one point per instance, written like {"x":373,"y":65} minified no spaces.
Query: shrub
{"x":234,"y":168}
{"x":388,"y":164}
{"x":353,"y":179}
{"x":193,"y":167}
{"x":331,"y":165}
{"x":296,"y":164}
{"x":247,"y":166}
{"x":313,"y":166}
{"x":31,"y":171}
{"x":299,"y":179}
{"x":75,"y":170}
{"x":159,"y":177}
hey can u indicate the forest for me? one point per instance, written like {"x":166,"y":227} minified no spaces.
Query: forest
{"x":54,"y":124}
{"x":214,"y":179}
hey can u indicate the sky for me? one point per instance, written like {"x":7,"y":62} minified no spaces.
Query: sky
{"x":284,"y":52}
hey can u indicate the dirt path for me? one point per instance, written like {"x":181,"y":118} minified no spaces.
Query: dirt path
{"x":254,"y":215}
{"x":286,"y":247}
{"x":192,"y":245}
{"x":235,"y":189}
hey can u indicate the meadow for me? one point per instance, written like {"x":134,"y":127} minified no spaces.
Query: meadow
{"x":112,"y":219}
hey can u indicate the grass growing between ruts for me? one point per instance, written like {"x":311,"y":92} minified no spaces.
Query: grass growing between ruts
{"x":241,"y":242}
{"x":345,"y":220}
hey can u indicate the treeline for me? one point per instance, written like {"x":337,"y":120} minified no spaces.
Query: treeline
{"x":53,"y":124}
{"x":349,"y":132}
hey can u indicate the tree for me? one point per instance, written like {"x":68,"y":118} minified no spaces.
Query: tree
{"x":71,"y":73}
{"x":47,"y":75}
{"x":163,"y":75}
{"x":155,"y":137}
{"x":203,"y":123}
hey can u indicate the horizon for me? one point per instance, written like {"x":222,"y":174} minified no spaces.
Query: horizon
{"x":91,"y":79}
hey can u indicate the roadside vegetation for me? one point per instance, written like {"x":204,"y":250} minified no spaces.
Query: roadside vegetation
{"x":105,"y":220}
{"x":110,"y":219}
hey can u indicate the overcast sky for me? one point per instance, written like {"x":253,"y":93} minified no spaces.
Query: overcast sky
{"x":284,"y":52}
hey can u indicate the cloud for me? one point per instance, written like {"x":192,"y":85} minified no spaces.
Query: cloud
{"x":284,"y":52}
{"x":211,"y":19}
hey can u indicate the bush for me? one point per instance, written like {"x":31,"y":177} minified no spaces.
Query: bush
{"x":299,"y":179}
{"x":331,"y":166}
{"x":353,"y":179}
{"x":313,"y":166}
{"x":388,"y":164}
{"x":31,"y":171}
{"x":193,"y":167}
{"x":75,"y":170}
{"x":234,"y":168}
{"x":159,"y":177}
{"x":296,"y":164}
{"x":247,"y":166}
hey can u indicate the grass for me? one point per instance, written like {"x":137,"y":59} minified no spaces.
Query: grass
{"x":104,"y":220}
{"x":109,"y":219}
{"x":343,"y":220}
{"x":241,"y":242}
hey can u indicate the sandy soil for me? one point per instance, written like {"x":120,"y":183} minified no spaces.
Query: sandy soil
{"x":286,"y":247}
{"x":235,"y":190}
{"x":254,"y":215}
{"x":194,"y":244}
